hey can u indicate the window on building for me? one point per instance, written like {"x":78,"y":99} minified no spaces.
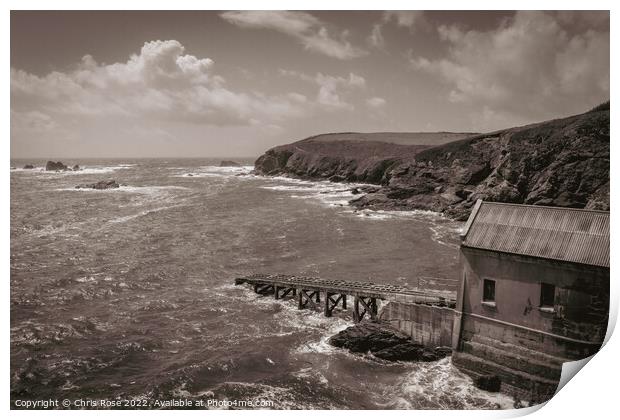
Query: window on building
{"x":547,"y":295}
{"x":488,"y":291}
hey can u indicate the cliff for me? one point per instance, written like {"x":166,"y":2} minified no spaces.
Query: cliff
{"x":563,"y":162}
{"x":352,"y":157}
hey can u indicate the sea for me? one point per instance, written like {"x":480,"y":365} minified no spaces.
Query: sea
{"x":128,"y":294}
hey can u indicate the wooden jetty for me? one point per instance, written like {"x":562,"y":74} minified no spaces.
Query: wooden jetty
{"x":308,"y":291}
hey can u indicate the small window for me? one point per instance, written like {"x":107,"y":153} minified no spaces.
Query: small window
{"x":547,"y":295}
{"x":488,"y":291}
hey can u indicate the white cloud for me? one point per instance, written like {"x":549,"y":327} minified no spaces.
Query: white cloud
{"x":412,"y":19}
{"x":529,"y":67}
{"x":159,"y":83}
{"x":31,"y":121}
{"x":309,"y":30}
{"x":375,"y":102}
{"x":375,"y":39}
{"x":332,"y":89}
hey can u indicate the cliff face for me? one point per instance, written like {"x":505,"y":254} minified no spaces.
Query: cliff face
{"x":353,"y":157}
{"x":561,"y":162}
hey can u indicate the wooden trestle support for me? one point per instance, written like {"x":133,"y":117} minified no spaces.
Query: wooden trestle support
{"x":311,"y":298}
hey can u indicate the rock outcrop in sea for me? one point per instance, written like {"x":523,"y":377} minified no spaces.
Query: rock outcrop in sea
{"x":28,"y":166}
{"x":563,"y":162}
{"x":101,"y":185}
{"x":385,"y":342}
{"x":229,"y":163}
{"x":56,"y":166}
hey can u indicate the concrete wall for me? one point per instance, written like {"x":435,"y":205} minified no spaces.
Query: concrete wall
{"x":427,"y":325}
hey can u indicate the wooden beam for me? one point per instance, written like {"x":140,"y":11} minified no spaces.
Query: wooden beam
{"x":327,"y":307}
{"x":331,"y":303}
{"x":375,"y":312}
{"x":305,"y":298}
{"x":370,"y":307}
{"x":357,"y":315}
{"x":286,"y":292}
{"x":264,"y":288}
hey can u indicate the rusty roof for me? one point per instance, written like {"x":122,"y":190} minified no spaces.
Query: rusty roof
{"x":574,"y":235}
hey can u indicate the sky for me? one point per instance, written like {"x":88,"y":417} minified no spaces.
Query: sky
{"x":235,"y":83}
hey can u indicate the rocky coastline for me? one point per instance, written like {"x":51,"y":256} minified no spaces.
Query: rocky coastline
{"x":563,"y":163}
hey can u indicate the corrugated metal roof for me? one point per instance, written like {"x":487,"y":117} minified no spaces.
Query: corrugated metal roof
{"x":579,"y":236}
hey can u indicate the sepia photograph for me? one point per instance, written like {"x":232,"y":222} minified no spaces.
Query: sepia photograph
{"x":306,"y":209}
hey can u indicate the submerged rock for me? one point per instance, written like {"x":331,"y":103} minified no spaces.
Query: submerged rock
{"x":101,"y":185}
{"x":385,"y":342}
{"x":491,"y":383}
{"x":55,"y":166}
{"x":229,"y":163}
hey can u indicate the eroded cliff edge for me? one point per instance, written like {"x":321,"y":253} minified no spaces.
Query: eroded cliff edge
{"x":563,"y":162}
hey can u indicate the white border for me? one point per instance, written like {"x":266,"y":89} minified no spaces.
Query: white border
{"x":592,"y":394}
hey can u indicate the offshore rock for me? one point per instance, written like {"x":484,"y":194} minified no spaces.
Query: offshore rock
{"x":56,"y":166}
{"x":29,"y":166}
{"x":229,"y":163}
{"x":101,"y":185}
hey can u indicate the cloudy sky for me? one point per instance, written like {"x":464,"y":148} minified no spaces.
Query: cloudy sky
{"x":149,"y":84}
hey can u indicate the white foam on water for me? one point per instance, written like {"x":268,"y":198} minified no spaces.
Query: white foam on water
{"x":289,"y":318}
{"x":86,"y":170}
{"x":398,"y":214}
{"x":310,"y":373}
{"x":442,"y":385}
{"x":54,"y":229}
{"x":227,"y":169}
{"x":282,"y":398}
{"x":294,"y":188}
{"x":148,"y":190}
{"x":322,"y":345}
{"x":127,"y":218}
{"x":444,"y":232}
{"x":216,"y":171}
{"x":36,"y":169}
{"x":328,"y":193}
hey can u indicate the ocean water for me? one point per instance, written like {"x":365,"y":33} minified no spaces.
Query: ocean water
{"x":129,"y":293}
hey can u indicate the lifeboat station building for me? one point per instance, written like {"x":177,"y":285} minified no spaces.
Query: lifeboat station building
{"x":533,"y":293}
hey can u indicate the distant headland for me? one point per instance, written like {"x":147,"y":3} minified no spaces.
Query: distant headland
{"x":562,"y":162}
